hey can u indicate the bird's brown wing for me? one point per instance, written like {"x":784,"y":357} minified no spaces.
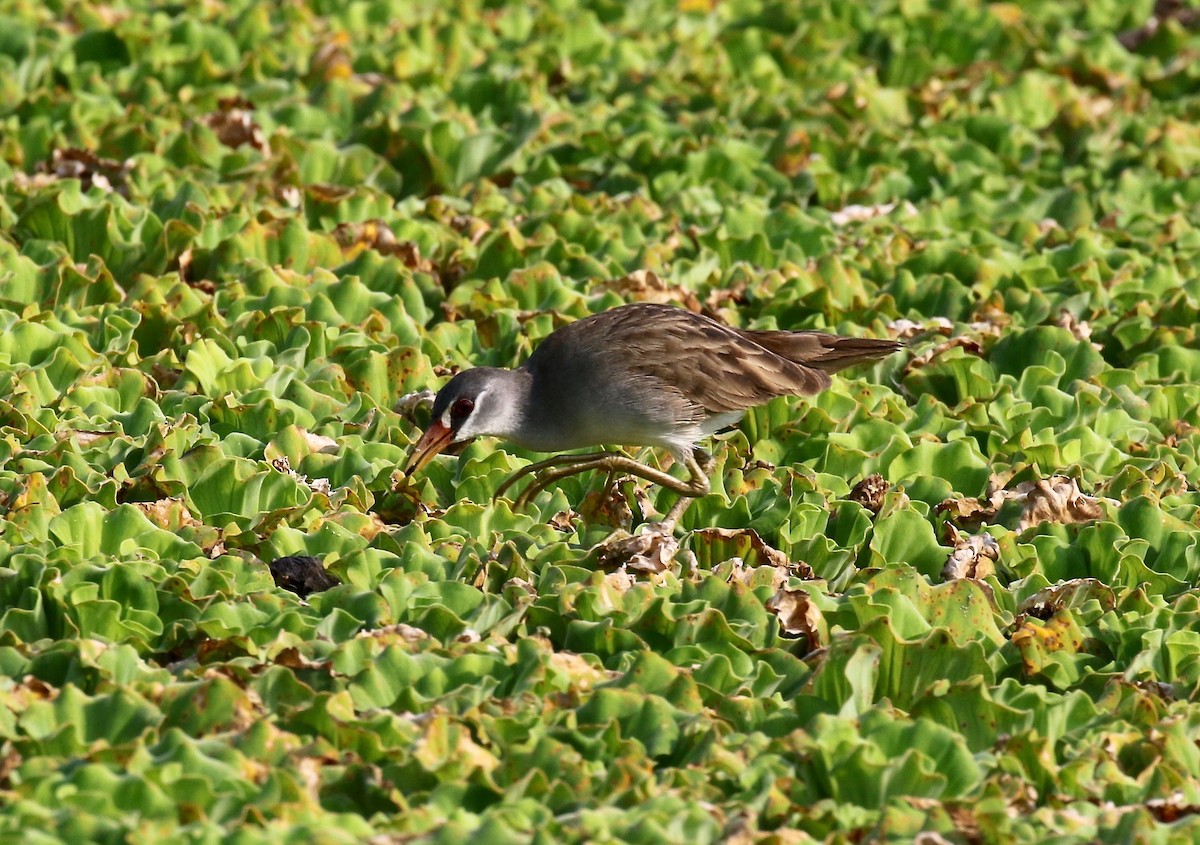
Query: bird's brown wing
{"x":828,"y":352}
{"x":700,"y":361}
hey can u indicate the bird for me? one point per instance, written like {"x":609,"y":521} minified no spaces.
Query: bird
{"x":643,"y":374}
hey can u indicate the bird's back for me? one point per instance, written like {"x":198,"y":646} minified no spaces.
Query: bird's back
{"x":648,"y":374}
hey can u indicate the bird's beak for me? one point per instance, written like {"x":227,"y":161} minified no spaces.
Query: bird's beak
{"x":435,"y":439}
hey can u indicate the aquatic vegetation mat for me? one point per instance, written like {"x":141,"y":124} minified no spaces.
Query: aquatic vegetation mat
{"x":953,"y":594}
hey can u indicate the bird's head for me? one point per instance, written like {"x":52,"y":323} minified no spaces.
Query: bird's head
{"x":473,"y":403}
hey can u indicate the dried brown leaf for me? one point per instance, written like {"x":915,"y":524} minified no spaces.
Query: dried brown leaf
{"x":376,"y":234}
{"x":1081,"y":329}
{"x":905,"y":328}
{"x":870,"y":492}
{"x":764,"y":554}
{"x":399,"y":631}
{"x":971,"y":345}
{"x":1050,"y":600}
{"x":650,"y":551}
{"x":862,"y":213}
{"x":798,"y":616}
{"x":1054,"y":499}
{"x":974,"y":556}
{"x":1181,"y":432}
{"x":10,"y":761}
{"x":1168,"y":810}
{"x":564,"y":521}
{"x":234,"y":124}
{"x":647,"y":286}
{"x":90,"y":169}
{"x":407,"y":404}
{"x":1164,"y":11}
{"x":472,"y":228}
{"x":291,"y":658}
{"x":333,"y":60}
{"x":622,"y":580}
{"x":743,"y":574}
{"x":84,"y":437}
{"x":967,"y":510}
{"x":302,"y":575}
{"x":524,"y":590}
{"x":171,"y":513}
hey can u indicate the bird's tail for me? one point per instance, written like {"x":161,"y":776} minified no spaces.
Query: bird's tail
{"x":822,"y":351}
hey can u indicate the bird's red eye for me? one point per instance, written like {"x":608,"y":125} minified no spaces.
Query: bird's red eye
{"x":461,"y":409}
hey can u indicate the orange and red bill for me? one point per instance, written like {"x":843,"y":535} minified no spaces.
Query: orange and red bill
{"x":433,"y":442}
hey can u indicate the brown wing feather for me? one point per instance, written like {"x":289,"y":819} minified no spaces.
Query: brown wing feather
{"x":699,"y":361}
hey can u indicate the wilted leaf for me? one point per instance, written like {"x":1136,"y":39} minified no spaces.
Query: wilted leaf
{"x":650,"y":552}
{"x":234,"y":124}
{"x":973,"y":556}
{"x":869,"y":492}
{"x":90,"y":169}
{"x":1054,"y":499}
{"x":799,"y":616}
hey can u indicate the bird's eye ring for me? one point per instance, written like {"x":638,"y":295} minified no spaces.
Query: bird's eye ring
{"x":461,"y":408}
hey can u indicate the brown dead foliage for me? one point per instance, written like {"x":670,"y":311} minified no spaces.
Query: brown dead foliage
{"x":1048,"y":601}
{"x":564,"y":521}
{"x":870,"y":492}
{"x":399,"y":632}
{"x":470,"y":227}
{"x":170,"y":513}
{"x":376,"y":234}
{"x":406,"y":406}
{"x":647,"y":286}
{"x":234,"y":124}
{"x":10,"y":761}
{"x":1168,"y":810}
{"x":741,"y":573}
{"x":1054,"y":499}
{"x":970,"y":344}
{"x":91,"y":170}
{"x":974,"y":555}
{"x":581,"y":673}
{"x":302,"y":575}
{"x":1081,"y":329}
{"x":798,"y":616}
{"x":862,"y":213}
{"x":763,"y":554}
{"x":651,"y":552}
{"x":333,"y":59}
{"x":1182,"y":431}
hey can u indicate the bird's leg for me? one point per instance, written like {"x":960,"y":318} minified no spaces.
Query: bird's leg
{"x":699,"y":464}
{"x":558,"y":461}
{"x":558,"y":468}
{"x":609,"y":481}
